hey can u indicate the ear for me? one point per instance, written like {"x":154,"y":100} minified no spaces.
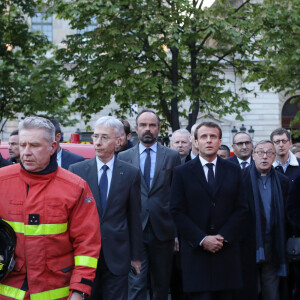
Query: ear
{"x":53,"y":146}
{"x":128,"y":136}
{"x":118,"y":141}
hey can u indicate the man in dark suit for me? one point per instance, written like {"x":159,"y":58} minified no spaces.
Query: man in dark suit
{"x":288,"y":164}
{"x":293,"y":211}
{"x":243,"y":147}
{"x":209,"y":208}
{"x":13,"y":147}
{"x":194,"y":151}
{"x":156,"y":163}
{"x":64,"y":158}
{"x":264,"y":238}
{"x":116,"y":188}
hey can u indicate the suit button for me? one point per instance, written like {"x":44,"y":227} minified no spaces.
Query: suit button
{"x":212,"y":227}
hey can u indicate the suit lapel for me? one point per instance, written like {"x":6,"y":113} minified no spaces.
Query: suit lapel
{"x":198,"y":172}
{"x":220,"y":174}
{"x":117,"y":177}
{"x":92,"y":179}
{"x":160,"y":158}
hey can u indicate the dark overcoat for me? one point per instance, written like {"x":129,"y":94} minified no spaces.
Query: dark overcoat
{"x":199,"y":212}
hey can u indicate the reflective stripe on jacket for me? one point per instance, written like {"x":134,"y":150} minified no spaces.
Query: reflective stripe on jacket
{"x":58,"y":233}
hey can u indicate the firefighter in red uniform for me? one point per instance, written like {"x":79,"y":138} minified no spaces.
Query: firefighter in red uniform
{"x":55,"y":219}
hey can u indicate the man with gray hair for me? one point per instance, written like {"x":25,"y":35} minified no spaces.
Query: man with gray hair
{"x":194,"y":150}
{"x":55,"y":218}
{"x":181,"y":142}
{"x":263,"y":245}
{"x":115,"y":185}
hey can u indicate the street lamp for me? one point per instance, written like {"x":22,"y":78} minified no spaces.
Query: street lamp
{"x":251,"y":132}
{"x":243,"y":128}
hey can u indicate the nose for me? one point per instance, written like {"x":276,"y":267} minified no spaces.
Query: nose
{"x":26,"y":150}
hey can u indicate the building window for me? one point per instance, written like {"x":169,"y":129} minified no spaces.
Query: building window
{"x":93,"y":25}
{"x":40,"y":23}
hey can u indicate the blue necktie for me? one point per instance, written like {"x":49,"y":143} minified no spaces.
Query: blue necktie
{"x":244,"y":164}
{"x":147,"y":167}
{"x":210,"y":175}
{"x":103,"y":186}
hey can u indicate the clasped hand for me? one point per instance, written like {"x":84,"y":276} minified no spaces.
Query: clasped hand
{"x":213,"y":243}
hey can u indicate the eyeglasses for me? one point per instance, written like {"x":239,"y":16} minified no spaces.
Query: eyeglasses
{"x":278,"y":142}
{"x":262,"y":153}
{"x":240,"y":144}
{"x":103,"y":138}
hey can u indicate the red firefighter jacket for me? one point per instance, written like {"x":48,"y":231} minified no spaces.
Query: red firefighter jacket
{"x":58,"y":233}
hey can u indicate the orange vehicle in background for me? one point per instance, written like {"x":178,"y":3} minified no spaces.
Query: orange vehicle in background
{"x":85,"y":150}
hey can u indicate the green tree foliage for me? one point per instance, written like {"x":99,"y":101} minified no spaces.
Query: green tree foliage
{"x":29,"y":81}
{"x":277,"y":49}
{"x":159,"y":54}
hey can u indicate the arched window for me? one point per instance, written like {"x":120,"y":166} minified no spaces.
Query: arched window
{"x":289,"y":110}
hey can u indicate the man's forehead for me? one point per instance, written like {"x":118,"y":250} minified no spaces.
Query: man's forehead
{"x":280,"y":137}
{"x":147,"y":117}
{"x":242,"y":137}
{"x":103,"y":129}
{"x":266,"y":147}
{"x":180,"y":136}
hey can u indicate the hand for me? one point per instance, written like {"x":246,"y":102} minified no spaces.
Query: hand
{"x":176,"y":245}
{"x":76,"y":296}
{"x":136,"y":264}
{"x":213,"y":243}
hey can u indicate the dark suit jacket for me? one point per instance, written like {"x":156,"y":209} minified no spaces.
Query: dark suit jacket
{"x":234,"y":160}
{"x":293,"y":206}
{"x":121,"y":231}
{"x":68,"y":158}
{"x":4,"y":162}
{"x":199,"y":212}
{"x":155,"y":202}
{"x":248,"y":241}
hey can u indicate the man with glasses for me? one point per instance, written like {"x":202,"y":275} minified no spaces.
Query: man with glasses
{"x":263,"y":244}
{"x":115,"y":185}
{"x":242,"y":146}
{"x":286,"y":162}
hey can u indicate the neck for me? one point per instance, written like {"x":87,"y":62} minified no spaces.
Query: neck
{"x":148,"y":145}
{"x":208,"y":158}
{"x":106,"y":159}
{"x":283,"y":159}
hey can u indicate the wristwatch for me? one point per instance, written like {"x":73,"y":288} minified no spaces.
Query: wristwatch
{"x":82,"y":294}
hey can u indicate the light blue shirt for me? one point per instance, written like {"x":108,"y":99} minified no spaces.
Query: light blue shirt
{"x":58,"y":157}
{"x":143,"y":156}
{"x":109,"y":171}
{"x":284,"y":167}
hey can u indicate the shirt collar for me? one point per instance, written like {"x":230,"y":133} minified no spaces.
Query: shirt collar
{"x":247,"y":160}
{"x":142,"y":148}
{"x":292,"y":160}
{"x":100,"y":164}
{"x":204,"y":161}
{"x":59,"y":154}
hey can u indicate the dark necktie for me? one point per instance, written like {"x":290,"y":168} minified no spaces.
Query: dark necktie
{"x":147,"y":167}
{"x":244,"y":164}
{"x":210,"y":175}
{"x":103,"y":186}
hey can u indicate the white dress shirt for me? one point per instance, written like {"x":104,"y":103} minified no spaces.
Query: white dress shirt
{"x":205,"y":168}
{"x":109,"y":171}
{"x":58,"y":157}
{"x":143,"y":156}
